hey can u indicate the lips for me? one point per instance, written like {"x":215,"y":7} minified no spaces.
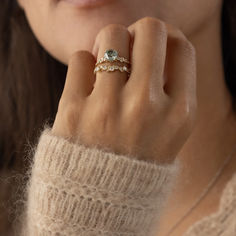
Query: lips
{"x":86,"y":3}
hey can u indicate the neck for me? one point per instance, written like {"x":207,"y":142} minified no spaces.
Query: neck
{"x":214,"y":134}
{"x":213,"y":137}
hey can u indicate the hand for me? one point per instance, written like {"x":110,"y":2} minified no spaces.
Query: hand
{"x":149,"y":115}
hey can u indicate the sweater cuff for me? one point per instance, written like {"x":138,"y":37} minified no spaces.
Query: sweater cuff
{"x":79,"y":190}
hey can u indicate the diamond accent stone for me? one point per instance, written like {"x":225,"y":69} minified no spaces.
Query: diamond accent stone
{"x":111,"y":55}
{"x":111,"y":68}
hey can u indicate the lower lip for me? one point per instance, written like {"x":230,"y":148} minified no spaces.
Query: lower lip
{"x":86,"y":3}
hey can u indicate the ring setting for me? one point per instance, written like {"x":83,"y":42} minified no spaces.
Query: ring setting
{"x":110,"y":56}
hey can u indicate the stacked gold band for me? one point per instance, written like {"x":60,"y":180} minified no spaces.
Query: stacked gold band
{"x":111,"y":68}
{"x":111,"y":55}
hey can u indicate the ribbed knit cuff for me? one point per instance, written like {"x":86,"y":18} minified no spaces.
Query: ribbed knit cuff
{"x":76,"y":190}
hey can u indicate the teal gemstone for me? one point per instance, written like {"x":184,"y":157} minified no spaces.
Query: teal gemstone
{"x":111,"y":55}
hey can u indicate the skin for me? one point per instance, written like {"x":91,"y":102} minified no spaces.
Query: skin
{"x":176,"y":89}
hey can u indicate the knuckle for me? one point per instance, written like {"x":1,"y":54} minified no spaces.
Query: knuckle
{"x":154,"y":108}
{"x":183,"y":108}
{"x":142,"y":102}
{"x":139,"y":115}
{"x":188,"y":47}
{"x":133,"y":108}
{"x":152,"y":23}
{"x":80,"y":55}
{"x":182,"y":113}
{"x":175,"y":32}
{"x":113,"y":29}
{"x":136,"y":107}
{"x":180,"y":40}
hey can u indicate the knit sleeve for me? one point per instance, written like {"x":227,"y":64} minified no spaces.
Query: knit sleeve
{"x":87,"y":191}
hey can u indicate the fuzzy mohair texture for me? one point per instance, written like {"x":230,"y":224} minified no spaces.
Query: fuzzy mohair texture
{"x":77,"y":190}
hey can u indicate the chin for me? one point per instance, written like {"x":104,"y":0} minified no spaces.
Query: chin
{"x":69,"y":45}
{"x":72,"y":29}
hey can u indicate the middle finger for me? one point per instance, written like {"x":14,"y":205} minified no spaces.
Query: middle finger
{"x":148,"y":55}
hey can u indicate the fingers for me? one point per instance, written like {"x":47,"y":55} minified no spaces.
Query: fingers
{"x":80,"y":77}
{"x":163,"y":61}
{"x":180,"y":66}
{"x":115,"y":37}
{"x":159,"y":50}
{"x":148,"y":56}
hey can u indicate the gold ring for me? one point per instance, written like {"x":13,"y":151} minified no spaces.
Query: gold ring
{"x":112,"y":68}
{"x":111,"y":55}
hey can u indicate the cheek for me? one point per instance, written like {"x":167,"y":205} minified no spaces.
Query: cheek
{"x":188,"y":15}
{"x":62,"y":30}
{"x":44,"y":25}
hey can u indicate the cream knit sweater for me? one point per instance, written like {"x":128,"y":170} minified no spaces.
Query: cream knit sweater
{"x":86,"y":191}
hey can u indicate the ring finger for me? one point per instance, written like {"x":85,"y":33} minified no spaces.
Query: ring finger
{"x":115,"y":37}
